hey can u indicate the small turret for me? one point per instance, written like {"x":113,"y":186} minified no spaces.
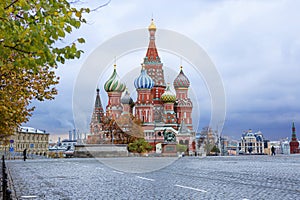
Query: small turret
{"x":168,"y":96}
{"x":181,"y":81}
{"x":126,"y":99}
{"x":114,"y":88}
{"x":114,"y":84}
{"x":144,"y":81}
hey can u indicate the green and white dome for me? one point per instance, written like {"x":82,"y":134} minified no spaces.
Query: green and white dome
{"x":114,"y":83}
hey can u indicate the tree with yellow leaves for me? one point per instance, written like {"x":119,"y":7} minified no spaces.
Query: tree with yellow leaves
{"x":29,"y":54}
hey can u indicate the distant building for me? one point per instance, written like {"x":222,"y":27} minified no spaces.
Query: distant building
{"x":206,"y":140}
{"x":252,"y":143}
{"x":232,"y":147}
{"x":294,"y":144}
{"x":224,"y":142}
{"x":285,"y":146}
{"x":63,"y":145}
{"x":68,"y":144}
{"x":34,"y":140}
{"x":207,"y":135}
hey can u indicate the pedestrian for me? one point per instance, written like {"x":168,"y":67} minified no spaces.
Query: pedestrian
{"x":24,"y":154}
{"x":273,"y":150}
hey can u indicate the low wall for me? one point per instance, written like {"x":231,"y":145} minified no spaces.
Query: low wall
{"x":100,"y":150}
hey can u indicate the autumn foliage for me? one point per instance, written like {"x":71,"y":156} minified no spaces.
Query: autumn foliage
{"x":29,"y":54}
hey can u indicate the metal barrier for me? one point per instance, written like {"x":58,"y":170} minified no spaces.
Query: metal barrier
{"x":6,"y":193}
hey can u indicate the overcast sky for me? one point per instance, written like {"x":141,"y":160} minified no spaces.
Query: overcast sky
{"x":255,"y":46}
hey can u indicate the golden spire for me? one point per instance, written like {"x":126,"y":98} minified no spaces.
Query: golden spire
{"x":152,"y":26}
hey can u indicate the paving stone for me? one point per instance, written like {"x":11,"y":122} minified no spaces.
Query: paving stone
{"x":239,"y":177}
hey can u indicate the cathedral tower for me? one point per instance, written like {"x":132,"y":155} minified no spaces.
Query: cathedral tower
{"x":183,"y":104}
{"x":144,"y":103}
{"x":127,"y":103}
{"x":294,"y":144}
{"x":96,"y":124}
{"x":169,"y":116}
{"x":114,"y":88}
{"x":154,"y":69}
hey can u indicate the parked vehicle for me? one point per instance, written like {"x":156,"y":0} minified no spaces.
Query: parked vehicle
{"x":69,"y":153}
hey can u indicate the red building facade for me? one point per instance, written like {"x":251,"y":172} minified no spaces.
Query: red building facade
{"x":294,"y":144}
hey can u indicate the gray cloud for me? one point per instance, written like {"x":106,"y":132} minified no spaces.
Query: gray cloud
{"x":255,"y":45}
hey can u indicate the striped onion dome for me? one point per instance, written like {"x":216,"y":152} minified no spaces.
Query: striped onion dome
{"x":114,"y":84}
{"x":144,"y":81}
{"x":126,"y":99}
{"x":181,"y":81}
{"x":168,"y":96}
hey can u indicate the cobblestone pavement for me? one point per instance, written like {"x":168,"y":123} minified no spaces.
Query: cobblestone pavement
{"x":238,"y":178}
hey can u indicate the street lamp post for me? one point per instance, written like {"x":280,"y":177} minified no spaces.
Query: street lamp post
{"x":222,"y":145}
{"x":196,"y":146}
{"x":219,"y":142}
{"x":112,"y":132}
{"x":219,"y":136}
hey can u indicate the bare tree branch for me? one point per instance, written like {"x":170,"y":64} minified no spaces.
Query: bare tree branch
{"x":19,"y":16}
{"x":12,"y":3}
{"x":75,"y":2}
{"x":20,"y":50}
{"x":101,"y":6}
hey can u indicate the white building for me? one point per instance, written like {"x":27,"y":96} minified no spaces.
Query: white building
{"x":68,"y":144}
{"x":285,"y":146}
{"x":252,"y":143}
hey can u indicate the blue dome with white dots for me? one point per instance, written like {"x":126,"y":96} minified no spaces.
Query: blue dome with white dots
{"x":144,"y":81}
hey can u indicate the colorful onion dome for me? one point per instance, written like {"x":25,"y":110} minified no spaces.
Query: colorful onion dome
{"x":114,"y":84}
{"x":144,"y":81}
{"x":168,"y":96}
{"x":152,"y":26}
{"x":181,"y":81}
{"x":126,"y":99}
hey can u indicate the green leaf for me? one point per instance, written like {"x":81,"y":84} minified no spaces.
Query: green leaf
{"x":81,"y":40}
{"x":29,"y":57}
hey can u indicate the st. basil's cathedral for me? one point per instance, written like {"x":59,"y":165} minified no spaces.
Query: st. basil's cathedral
{"x":156,"y":106}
